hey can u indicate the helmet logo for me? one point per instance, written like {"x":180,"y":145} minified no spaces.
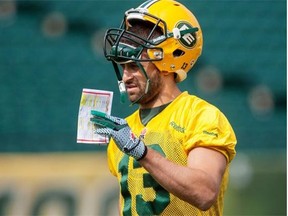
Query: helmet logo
{"x":188,"y":40}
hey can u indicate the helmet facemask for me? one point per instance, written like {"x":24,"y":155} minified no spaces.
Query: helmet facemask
{"x":127,"y":43}
{"x":124,"y":45}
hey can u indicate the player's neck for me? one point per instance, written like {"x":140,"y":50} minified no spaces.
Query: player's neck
{"x":166,"y":95}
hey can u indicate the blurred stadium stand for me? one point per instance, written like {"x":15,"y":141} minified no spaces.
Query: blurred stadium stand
{"x":51,"y":50}
{"x":44,"y":67}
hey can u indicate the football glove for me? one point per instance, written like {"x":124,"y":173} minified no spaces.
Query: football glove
{"x":119,"y":130}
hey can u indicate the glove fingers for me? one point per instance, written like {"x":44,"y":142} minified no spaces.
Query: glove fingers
{"x":104,"y":131}
{"x":103,"y":120}
{"x":102,"y":115}
{"x":117,"y":120}
{"x":100,"y":122}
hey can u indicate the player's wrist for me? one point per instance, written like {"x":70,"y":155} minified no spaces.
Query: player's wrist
{"x":138,"y":151}
{"x":144,"y":153}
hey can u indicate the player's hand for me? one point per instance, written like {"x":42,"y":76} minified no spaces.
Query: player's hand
{"x":121,"y":133}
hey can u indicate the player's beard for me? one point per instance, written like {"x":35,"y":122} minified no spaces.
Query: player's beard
{"x":153,"y":91}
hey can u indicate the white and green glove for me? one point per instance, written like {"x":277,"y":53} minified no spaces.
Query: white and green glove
{"x":121,"y":133}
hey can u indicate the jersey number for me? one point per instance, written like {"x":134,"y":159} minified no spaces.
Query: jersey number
{"x":155,"y":207}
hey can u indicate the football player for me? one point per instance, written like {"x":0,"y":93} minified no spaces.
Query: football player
{"x":172,"y":155}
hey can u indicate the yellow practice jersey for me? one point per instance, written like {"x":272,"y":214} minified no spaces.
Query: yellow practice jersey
{"x":186,"y":123}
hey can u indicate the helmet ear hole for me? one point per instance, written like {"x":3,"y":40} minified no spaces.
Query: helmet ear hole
{"x":178,"y":53}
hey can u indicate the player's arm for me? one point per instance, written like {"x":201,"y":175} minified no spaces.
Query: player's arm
{"x":197,"y":183}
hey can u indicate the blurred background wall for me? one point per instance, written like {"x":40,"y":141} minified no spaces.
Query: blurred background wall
{"x":51,"y":50}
